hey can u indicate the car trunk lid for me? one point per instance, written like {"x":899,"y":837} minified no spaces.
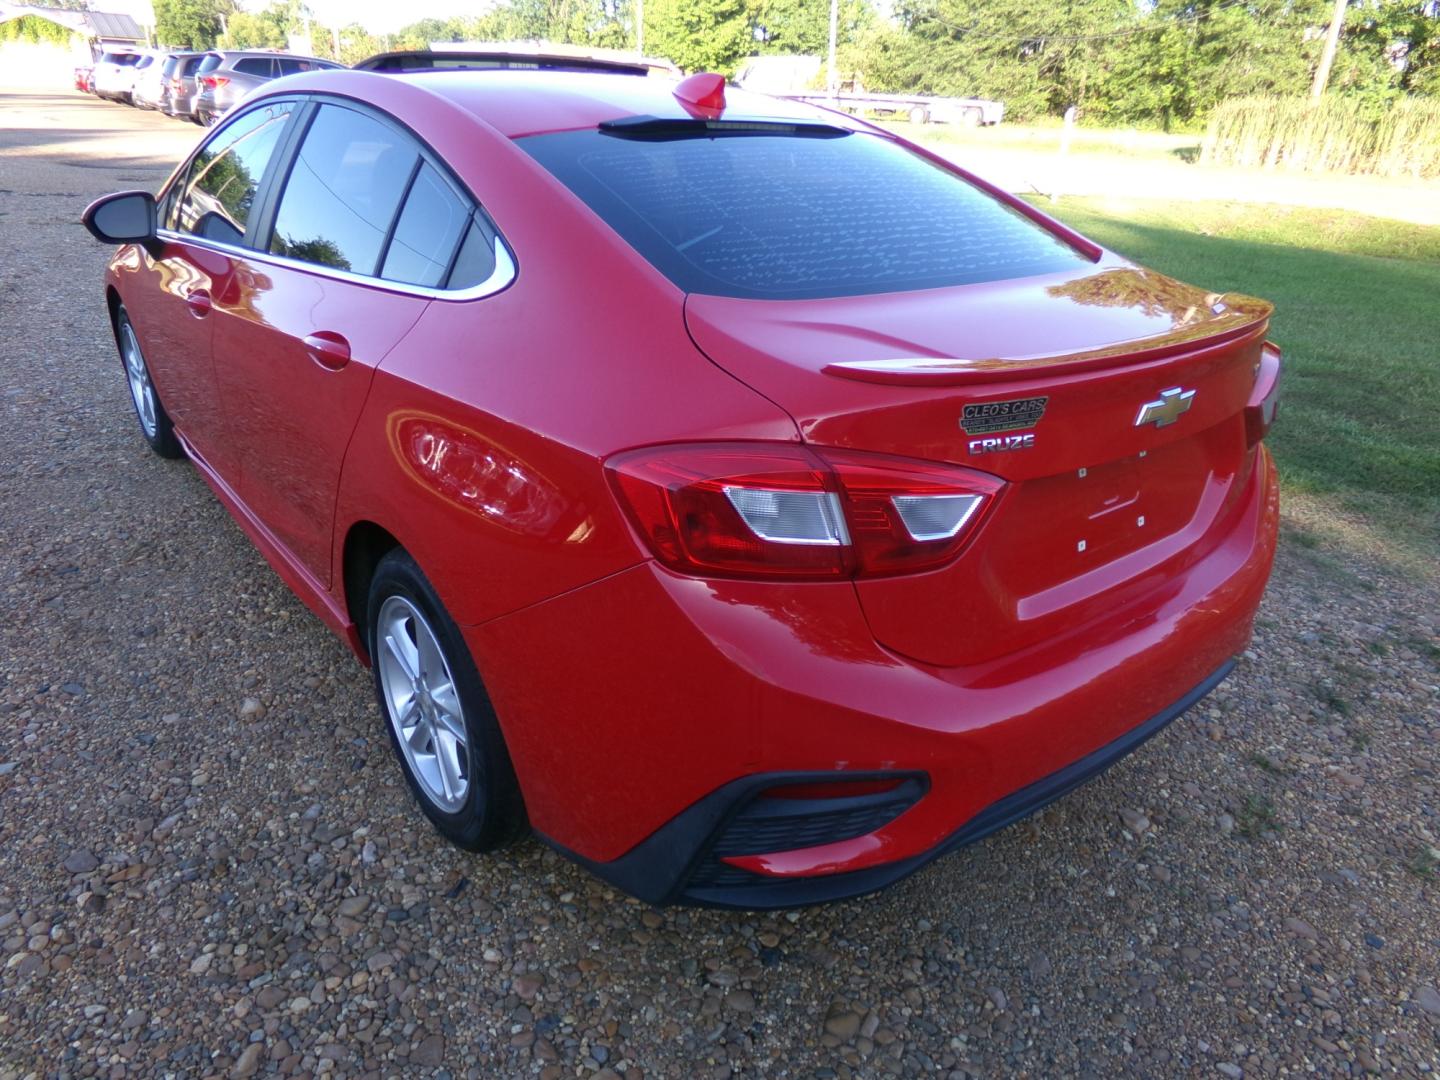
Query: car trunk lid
{"x":1045,"y":383}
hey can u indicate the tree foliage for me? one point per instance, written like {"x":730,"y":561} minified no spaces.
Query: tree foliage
{"x":191,"y":24}
{"x":1160,"y":62}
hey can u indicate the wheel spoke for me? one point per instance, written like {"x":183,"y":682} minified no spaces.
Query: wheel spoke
{"x":446,"y":699}
{"x":446,"y":754}
{"x":452,"y":725}
{"x":420,"y":739}
{"x":432,"y":663}
{"x":403,"y":649}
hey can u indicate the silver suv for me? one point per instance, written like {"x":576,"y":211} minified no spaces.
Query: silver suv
{"x":225,"y":76}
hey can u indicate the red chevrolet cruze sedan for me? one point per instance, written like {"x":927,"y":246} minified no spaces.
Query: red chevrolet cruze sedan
{"x":751,"y":502}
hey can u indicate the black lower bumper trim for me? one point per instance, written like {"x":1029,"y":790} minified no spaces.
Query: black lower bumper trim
{"x":659,"y":868}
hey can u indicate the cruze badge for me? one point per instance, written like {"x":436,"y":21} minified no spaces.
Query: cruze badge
{"x":991,"y":418}
{"x":1166,"y":409}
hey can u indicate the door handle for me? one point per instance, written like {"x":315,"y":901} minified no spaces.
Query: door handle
{"x":198,"y":301}
{"x":328,"y":349}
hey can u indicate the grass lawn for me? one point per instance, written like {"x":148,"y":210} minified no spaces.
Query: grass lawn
{"x":1357,"y":304}
{"x":1046,"y":137}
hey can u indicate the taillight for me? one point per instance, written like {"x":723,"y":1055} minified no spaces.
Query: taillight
{"x":1264,"y":400}
{"x":784,"y":510}
{"x":213,"y":82}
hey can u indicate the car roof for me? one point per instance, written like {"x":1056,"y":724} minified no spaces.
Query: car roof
{"x":519,"y":101}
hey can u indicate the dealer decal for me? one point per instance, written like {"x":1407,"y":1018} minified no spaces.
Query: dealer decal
{"x":992,"y":417}
{"x":988,"y":417}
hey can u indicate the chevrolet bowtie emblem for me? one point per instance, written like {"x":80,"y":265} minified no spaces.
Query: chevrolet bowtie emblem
{"x":1167,"y":408}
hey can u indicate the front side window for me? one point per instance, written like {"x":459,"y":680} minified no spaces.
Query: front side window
{"x":344,"y":190}
{"x":225,"y":175}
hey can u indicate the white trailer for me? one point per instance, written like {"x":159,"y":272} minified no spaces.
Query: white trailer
{"x":919,"y":109}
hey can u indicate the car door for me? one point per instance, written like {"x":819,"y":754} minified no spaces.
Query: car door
{"x":296,"y":347}
{"x":205,"y":217}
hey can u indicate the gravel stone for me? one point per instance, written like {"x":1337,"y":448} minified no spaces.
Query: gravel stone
{"x":81,"y":862}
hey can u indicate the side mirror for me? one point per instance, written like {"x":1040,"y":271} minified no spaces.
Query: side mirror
{"x":127,"y":217}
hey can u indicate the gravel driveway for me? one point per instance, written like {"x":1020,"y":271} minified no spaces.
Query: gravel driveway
{"x":209,"y":863}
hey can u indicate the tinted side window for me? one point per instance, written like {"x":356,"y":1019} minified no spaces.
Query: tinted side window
{"x":292,"y":65}
{"x":209,"y":62}
{"x":345,"y":186}
{"x":476,"y":260}
{"x":220,"y":190}
{"x":262,"y":66}
{"x":429,"y":228}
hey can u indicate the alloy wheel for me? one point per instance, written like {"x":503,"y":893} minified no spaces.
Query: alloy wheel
{"x":138,"y":375}
{"x":422,"y":703}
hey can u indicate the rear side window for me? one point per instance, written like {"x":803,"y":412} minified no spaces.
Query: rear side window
{"x":262,"y":66}
{"x":220,"y":189}
{"x":344,"y":190}
{"x":430,"y":227}
{"x":475,"y":261}
{"x":785,"y":216}
{"x":189,"y":65}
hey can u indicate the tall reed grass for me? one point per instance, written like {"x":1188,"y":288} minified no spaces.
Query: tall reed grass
{"x":1334,"y":134}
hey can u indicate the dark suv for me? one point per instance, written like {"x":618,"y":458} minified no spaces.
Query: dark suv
{"x":225,"y":76}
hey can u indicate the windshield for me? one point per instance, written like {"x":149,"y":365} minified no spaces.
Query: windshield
{"x":781,"y":216}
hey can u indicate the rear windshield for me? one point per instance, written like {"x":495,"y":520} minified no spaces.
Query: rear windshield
{"x":784,"y":216}
{"x":208,"y":63}
{"x":121,"y":59}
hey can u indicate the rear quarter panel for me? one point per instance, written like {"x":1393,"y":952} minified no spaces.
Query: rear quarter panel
{"x":481,"y":444}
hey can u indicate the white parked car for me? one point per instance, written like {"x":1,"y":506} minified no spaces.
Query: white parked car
{"x":149,"y":81}
{"x":116,"y":70}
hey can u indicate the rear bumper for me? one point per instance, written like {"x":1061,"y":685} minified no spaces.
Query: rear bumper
{"x":646,"y":712}
{"x":680,"y":864}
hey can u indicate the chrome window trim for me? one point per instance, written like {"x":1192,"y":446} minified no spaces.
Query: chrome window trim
{"x":500,"y":277}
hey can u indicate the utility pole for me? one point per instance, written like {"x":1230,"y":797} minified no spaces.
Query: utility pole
{"x":640,"y":27}
{"x":834,"y":78}
{"x":1327,"y":58}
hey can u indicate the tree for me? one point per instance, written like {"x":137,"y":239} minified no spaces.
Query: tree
{"x":193,"y":24}
{"x":699,"y":35}
{"x":254,"y":30}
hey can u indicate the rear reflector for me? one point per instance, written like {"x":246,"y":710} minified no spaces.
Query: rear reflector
{"x":784,"y":510}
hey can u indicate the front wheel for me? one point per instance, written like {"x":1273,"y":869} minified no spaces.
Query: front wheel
{"x":155,"y":422}
{"x":442,"y":725}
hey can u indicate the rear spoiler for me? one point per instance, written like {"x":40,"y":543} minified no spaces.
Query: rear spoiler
{"x":524,"y":59}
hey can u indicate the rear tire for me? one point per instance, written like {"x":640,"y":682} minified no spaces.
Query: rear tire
{"x":442,"y":725}
{"x":918,"y":115}
{"x":154,"y":421}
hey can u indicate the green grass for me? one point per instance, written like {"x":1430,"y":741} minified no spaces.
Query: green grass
{"x":1126,"y":142}
{"x":1357,"y":311}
